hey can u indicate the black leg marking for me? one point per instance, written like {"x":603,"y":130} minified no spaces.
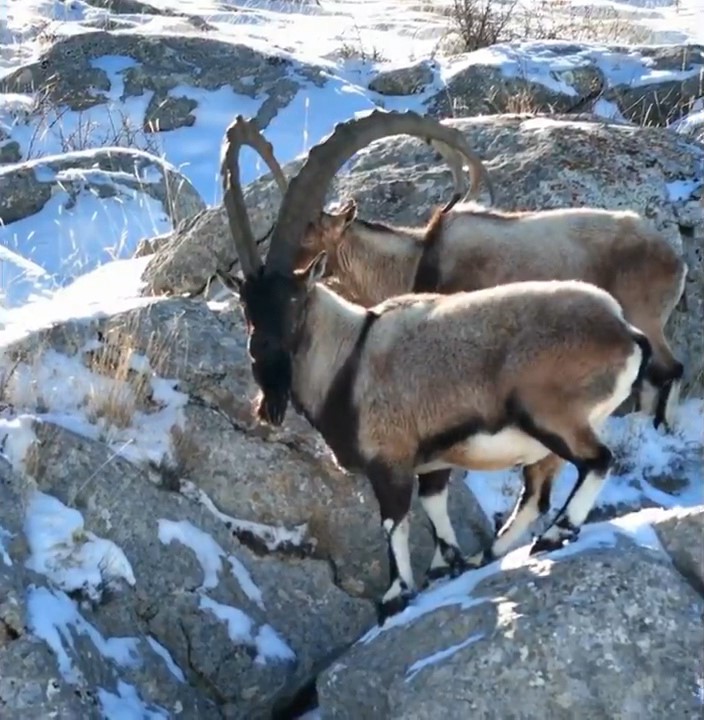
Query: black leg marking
{"x":394,"y":490}
{"x":447,"y":558}
{"x":568,"y":521}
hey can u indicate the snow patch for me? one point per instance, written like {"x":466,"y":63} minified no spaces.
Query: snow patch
{"x":209,"y":554}
{"x":16,"y":437}
{"x":126,"y":704}
{"x":273,"y":537}
{"x":165,"y":655}
{"x":240,"y":628}
{"x":68,"y":555}
{"x":437,"y":657}
{"x":635,"y":526}
{"x":5,"y":535}
{"x":135,"y":419}
{"x":53,"y":617}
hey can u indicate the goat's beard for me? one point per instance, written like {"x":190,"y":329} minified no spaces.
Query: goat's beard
{"x":274,"y":380}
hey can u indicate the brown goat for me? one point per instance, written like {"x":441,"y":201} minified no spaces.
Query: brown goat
{"x":523,"y":373}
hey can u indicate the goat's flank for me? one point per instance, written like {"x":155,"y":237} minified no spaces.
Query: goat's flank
{"x":470,"y":247}
{"x":525,"y":373}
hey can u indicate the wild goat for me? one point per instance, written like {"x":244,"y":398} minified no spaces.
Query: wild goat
{"x":518,"y":374}
{"x":467,"y":247}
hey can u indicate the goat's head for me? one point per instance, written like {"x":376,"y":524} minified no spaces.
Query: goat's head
{"x":326,"y":232}
{"x":274,"y":294}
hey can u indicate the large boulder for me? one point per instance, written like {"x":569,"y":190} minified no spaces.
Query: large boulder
{"x":535,"y":162}
{"x":78,"y":72}
{"x":61,"y":216}
{"x":607,"y":628}
{"x":25,"y":188}
{"x":650,"y":85}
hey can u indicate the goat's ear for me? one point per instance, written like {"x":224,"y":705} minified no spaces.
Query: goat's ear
{"x":231,"y":282}
{"x":315,"y":271}
{"x":348,"y":212}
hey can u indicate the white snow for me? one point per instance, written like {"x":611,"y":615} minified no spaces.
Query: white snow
{"x":241,"y":630}
{"x":273,"y":537}
{"x":54,"y":617}
{"x":209,"y":554}
{"x":16,"y":437}
{"x":67,"y":554}
{"x":126,"y":704}
{"x":636,"y":526}
{"x":439,"y":656}
{"x":5,"y":535}
{"x":98,"y":405}
{"x":165,"y":655}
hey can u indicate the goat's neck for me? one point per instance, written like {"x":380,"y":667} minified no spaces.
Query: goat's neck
{"x":328,"y":335}
{"x":377,"y":262}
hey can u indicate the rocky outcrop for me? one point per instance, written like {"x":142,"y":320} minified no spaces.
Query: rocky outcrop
{"x":606,"y":632}
{"x":407,"y":80}
{"x":25,"y":188}
{"x":648,"y":85}
{"x":71,"y":74}
{"x":535,"y":162}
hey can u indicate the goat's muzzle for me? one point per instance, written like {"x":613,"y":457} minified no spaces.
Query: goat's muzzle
{"x":273,"y":376}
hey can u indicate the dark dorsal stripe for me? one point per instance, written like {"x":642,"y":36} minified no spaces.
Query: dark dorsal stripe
{"x":427,"y":277}
{"x":375,"y":225}
{"x":339,"y":418}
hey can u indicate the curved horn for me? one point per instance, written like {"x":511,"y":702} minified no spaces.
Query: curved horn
{"x":245,"y":132}
{"x":478,"y":174}
{"x":306,"y":191}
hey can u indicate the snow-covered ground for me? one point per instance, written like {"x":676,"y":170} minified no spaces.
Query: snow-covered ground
{"x":350,"y":39}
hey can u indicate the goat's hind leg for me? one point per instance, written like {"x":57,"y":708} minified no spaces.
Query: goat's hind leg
{"x":394,"y":491}
{"x":447,"y":557}
{"x":593,"y":461}
{"x":533,"y":502}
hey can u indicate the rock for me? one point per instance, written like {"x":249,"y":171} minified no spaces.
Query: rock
{"x":286,"y":615}
{"x":27,"y":187}
{"x":70,"y":73}
{"x":403,"y":80}
{"x":9,"y":151}
{"x":573,"y":635}
{"x":681,"y":533}
{"x":535,"y":162}
{"x":669,"y":98}
{"x":565,"y":77}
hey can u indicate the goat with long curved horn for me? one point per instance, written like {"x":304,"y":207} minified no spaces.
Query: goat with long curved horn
{"x":518,"y":374}
{"x":307,"y":190}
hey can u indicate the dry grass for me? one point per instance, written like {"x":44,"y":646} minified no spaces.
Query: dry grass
{"x":476,"y":24}
{"x":129,"y":390}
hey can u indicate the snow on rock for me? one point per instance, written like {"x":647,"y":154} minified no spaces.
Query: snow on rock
{"x":166,"y":656}
{"x":273,"y":538}
{"x":16,"y":437}
{"x":67,"y":214}
{"x":125,"y":704}
{"x":210,"y":555}
{"x":241,"y":629}
{"x":68,"y":555}
{"x":54,"y":617}
{"x":5,"y":535}
{"x":129,"y":407}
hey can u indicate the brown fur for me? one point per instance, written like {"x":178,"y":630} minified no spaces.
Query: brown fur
{"x":471,"y":248}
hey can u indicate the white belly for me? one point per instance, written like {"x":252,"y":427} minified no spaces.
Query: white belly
{"x":482,"y":451}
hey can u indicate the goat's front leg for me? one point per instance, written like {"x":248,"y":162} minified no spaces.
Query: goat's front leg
{"x":394,"y":490}
{"x":447,"y":559}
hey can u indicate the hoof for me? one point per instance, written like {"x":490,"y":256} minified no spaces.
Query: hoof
{"x":387,"y":608}
{"x":546,"y":545}
{"x":480,"y":559}
{"x":436,"y":573}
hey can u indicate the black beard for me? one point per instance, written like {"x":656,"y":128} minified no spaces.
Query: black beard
{"x":274,"y":380}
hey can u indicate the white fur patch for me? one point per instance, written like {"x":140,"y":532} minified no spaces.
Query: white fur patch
{"x":398,"y":538}
{"x":435,"y":507}
{"x":622,"y":390}
{"x":483,"y":451}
